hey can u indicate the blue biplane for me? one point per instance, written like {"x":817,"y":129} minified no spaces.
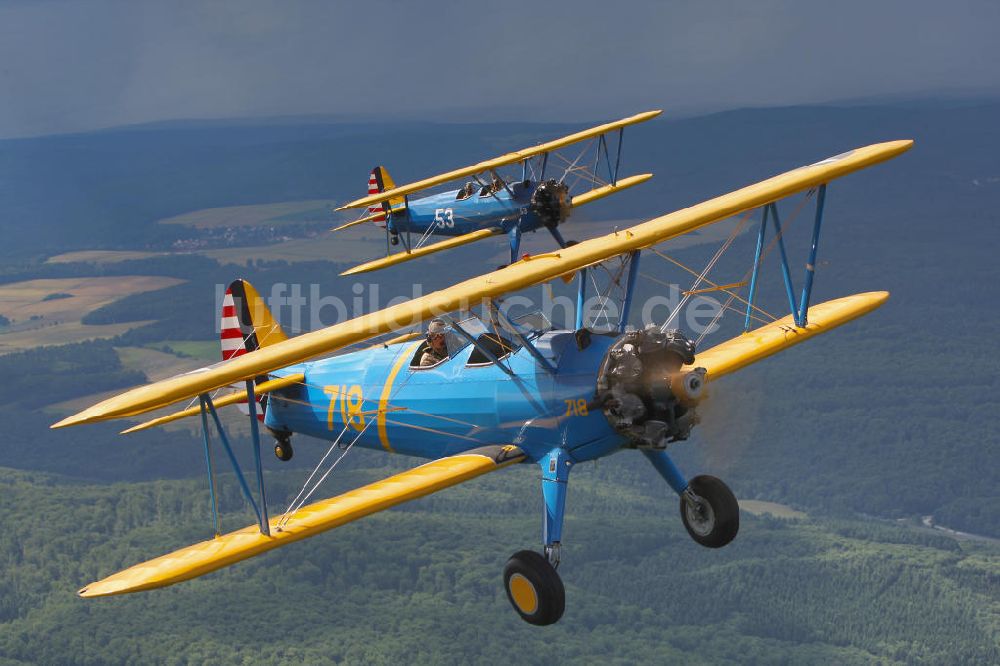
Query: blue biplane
{"x":490,"y":204}
{"x":505,"y":391}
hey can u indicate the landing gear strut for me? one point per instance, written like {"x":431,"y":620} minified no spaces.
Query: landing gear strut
{"x":534,"y":588}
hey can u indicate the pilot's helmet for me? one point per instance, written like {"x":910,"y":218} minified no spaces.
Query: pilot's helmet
{"x":435,"y":327}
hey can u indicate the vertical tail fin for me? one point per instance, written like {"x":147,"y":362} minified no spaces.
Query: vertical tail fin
{"x":247,"y":324}
{"x":379,"y":181}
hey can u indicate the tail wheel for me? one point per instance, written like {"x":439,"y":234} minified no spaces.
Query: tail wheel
{"x":710,"y":512}
{"x":534,"y":588}
{"x":283,"y":450}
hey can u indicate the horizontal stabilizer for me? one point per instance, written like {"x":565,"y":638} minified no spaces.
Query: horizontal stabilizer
{"x":207,"y":556}
{"x":231,"y":399}
{"x":779,"y":335}
{"x":601,"y":192}
{"x":374,"y":217}
{"x":400,"y":257}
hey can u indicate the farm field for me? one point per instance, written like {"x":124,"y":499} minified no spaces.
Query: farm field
{"x":49,"y":311}
{"x":290,"y":212}
{"x":761,"y":507}
{"x":100,"y":256}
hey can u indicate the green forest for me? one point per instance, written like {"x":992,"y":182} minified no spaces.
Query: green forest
{"x":422,"y":584}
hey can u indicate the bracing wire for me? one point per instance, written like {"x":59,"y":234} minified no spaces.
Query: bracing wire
{"x":301,"y":502}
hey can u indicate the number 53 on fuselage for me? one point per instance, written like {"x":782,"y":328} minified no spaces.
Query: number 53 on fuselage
{"x":539,"y":195}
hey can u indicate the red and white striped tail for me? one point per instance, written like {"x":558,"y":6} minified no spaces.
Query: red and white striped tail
{"x":234,"y":342}
{"x":373,"y":188}
{"x":237,"y":340}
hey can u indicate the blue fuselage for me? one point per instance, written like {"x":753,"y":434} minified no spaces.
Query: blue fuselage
{"x":389,"y":404}
{"x":446,"y":214}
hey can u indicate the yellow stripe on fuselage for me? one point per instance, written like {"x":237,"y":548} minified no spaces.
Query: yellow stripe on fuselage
{"x":383,"y":401}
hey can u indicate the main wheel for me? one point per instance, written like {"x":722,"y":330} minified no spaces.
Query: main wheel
{"x":714,"y":519}
{"x":283,"y":450}
{"x":534,"y":588}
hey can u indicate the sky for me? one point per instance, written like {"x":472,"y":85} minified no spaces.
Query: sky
{"x":76,"y":66}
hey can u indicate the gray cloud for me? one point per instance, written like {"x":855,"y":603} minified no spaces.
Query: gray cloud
{"x":67,"y":66}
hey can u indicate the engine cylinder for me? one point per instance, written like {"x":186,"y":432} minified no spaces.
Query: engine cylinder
{"x":646,"y":395}
{"x":551,"y":202}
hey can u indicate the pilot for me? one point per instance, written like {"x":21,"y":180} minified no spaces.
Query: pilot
{"x":437,"y":349}
{"x":466,"y":191}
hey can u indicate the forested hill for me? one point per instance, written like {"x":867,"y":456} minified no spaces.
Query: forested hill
{"x":421,"y":584}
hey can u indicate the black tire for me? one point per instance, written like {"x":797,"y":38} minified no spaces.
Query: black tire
{"x":716,"y":522}
{"x":534,"y":588}
{"x":283,"y":451}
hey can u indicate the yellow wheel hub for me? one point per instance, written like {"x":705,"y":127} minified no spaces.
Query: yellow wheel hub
{"x":523,"y":593}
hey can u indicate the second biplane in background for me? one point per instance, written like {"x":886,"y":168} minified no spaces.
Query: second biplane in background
{"x":489,"y":204}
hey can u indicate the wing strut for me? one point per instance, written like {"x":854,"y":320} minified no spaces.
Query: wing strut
{"x":208,"y":407}
{"x":633,"y":272}
{"x":800,"y":312}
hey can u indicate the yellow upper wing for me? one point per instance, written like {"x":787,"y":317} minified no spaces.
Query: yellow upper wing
{"x":201,"y":558}
{"x":467,"y":294}
{"x":509,"y":158}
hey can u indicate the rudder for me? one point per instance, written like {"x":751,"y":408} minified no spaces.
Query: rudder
{"x":247,"y":323}
{"x":379,"y":181}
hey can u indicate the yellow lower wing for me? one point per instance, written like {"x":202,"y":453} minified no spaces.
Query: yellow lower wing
{"x":779,"y":335}
{"x":607,"y":190}
{"x":207,"y":556}
{"x":399,"y":258}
